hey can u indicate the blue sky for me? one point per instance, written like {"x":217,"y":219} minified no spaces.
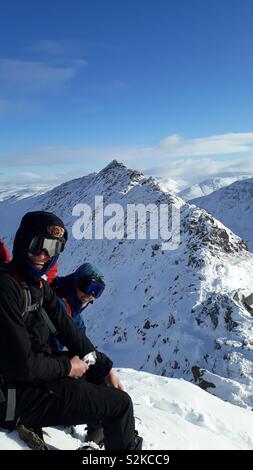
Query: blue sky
{"x":163,"y":85}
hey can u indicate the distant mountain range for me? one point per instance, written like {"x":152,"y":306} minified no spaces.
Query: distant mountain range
{"x":210,"y":185}
{"x":21,"y":191}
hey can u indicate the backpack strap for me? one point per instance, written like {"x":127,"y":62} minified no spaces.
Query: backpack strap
{"x":49,"y":323}
{"x":36,"y":306}
{"x":28,"y":306}
{"x":44,"y":314}
{"x":11,"y":403}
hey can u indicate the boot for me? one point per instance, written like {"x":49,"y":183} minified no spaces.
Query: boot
{"x":31,"y":438}
{"x":96,"y":436}
{"x":136,"y":443}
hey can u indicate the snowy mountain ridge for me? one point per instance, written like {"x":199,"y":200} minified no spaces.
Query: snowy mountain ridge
{"x":209,"y":185}
{"x":233,"y":206}
{"x":170,"y":313}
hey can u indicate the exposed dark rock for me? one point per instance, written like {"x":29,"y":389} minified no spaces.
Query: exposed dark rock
{"x":197,"y":373}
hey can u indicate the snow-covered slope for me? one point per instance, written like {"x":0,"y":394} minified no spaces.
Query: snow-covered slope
{"x":209,"y":186}
{"x":170,"y":184}
{"x":170,"y":414}
{"x":233,"y":206}
{"x":21,"y":191}
{"x":171,"y":313}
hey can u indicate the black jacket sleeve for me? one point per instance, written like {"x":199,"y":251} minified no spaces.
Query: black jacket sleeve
{"x":18,"y":361}
{"x":75,"y":340}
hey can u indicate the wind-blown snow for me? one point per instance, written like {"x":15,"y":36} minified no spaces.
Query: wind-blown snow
{"x":170,"y":414}
{"x":171,"y":185}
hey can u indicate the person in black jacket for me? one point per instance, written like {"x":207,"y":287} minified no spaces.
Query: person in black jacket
{"x":38,"y":386}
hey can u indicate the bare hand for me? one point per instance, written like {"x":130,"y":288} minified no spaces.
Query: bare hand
{"x":113,"y":380}
{"x":78,"y":367}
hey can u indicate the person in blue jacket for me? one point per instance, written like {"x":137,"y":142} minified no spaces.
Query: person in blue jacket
{"x":76,"y":291}
{"x":79,"y":289}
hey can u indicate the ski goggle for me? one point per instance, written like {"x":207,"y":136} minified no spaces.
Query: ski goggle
{"x":91,"y":287}
{"x":51,"y":246}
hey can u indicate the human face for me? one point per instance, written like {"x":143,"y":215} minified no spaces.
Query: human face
{"x":39,"y":261}
{"x":84,"y":298}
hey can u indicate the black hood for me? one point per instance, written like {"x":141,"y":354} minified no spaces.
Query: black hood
{"x":32,"y":224}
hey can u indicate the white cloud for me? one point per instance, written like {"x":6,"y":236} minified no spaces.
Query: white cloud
{"x":177,"y":158}
{"x":195,"y":170}
{"x":53,"y":47}
{"x":59,"y":47}
{"x":171,"y":151}
{"x":30,"y":176}
{"x":35,"y":75}
{"x":178,"y":173}
{"x":17,"y":107}
{"x":59,"y":155}
{"x":175,"y":145}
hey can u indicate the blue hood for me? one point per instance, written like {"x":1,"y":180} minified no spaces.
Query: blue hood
{"x":68,"y":284}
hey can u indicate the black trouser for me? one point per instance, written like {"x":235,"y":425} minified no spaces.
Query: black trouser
{"x":69,"y":402}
